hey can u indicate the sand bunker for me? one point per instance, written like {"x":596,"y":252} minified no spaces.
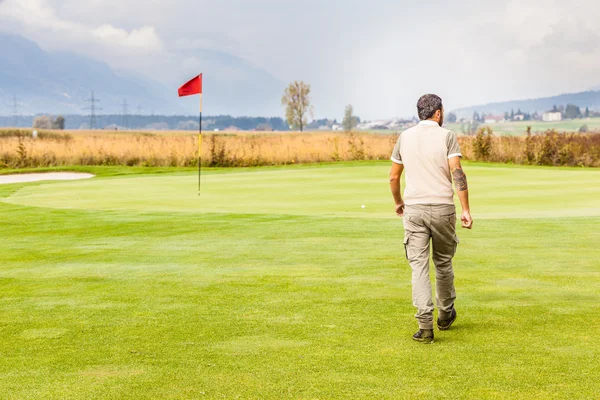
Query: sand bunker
{"x":50,"y":176}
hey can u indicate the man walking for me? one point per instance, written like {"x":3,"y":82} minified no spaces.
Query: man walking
{"x":431,"y":156}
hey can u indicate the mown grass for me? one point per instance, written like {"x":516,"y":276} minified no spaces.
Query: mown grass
{"x":141,"y":296}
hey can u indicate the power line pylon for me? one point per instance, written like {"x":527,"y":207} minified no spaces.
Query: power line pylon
{"x":15,"y":113}
{"x":93,"y":108}
{"x":125,"y":114}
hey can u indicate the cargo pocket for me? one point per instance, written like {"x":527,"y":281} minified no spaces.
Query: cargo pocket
{"x":406,"y":240}
{"x":456,"y":242}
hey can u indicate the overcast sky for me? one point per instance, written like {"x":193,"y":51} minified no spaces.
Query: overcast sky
{"x":379,"y":55}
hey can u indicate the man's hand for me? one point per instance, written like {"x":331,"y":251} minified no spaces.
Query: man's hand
{"x":400,"y":209}
{"x":467,"y":220}
{"x":395,"y":174}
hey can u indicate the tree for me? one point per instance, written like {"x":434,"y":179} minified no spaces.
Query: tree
{"x":350,"y":121}
{"x":572,"y":111}
{"x":59,"y":123}
{"x":451,"y":118}
{"x":296,"y":99}
{"x":42,"y":122}
{"x":587,"y":112}
{"x":189,"y":125}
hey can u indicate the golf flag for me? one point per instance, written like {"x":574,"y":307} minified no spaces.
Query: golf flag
{"x":190,"y":88}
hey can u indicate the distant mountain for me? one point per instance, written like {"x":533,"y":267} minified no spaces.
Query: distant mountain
{"x":236,"y":87}
{"x":60,"y":83}
{"x":589,"y":99}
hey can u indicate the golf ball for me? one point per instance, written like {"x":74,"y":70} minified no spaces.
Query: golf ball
{"x":363,"y":206}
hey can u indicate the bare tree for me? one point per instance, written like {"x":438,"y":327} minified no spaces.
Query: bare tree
{"x":42,"y":122}
{"x":296,"y":99}
{"x":350,"y":120}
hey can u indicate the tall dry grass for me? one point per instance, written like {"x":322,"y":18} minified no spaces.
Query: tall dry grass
{"x":19,"y":150}
{"x":549,"y":148}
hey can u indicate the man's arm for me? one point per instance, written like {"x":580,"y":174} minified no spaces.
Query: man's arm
{"x":462,"y":189}
{"x":395,"y":175}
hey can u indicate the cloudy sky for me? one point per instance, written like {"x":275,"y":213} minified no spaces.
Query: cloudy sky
{"x":378,"y":55}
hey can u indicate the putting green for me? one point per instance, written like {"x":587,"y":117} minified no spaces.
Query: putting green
{"x":236,"y":294}
{"x":510,"y":192}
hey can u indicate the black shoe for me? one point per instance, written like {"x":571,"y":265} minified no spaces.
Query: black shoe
{"x":444,"y":325}
{"x":424,"y":336}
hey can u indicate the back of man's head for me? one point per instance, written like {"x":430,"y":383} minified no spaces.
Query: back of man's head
{"x":427,"y":105}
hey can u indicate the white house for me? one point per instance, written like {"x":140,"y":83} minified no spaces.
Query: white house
{"x":552,"y":116}
{"x":519,"y":117}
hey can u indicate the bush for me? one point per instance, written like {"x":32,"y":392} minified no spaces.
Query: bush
{"x":529,"y":147}
{"x":584,"y":128}
{"x":482,"y":145}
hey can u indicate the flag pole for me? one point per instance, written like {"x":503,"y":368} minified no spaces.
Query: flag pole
{"x":200,"y":148}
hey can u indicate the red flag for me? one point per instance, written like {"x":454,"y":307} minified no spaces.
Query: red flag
{"x":194,"y":86}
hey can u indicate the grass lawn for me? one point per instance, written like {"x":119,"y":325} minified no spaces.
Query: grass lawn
{"x":275,"y":283}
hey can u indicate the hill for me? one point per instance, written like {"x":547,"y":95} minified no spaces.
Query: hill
{"x":589,"y":99}
{"x":60,"y":83}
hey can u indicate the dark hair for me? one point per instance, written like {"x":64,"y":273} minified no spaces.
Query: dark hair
{"x":427,"y":105}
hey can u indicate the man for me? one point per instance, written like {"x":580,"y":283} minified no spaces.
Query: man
{"x":431,"y":156}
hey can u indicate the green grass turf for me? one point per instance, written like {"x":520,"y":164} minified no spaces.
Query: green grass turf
{"x":276,"y":284}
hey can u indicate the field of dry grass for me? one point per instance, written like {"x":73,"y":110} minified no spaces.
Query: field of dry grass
{"x":19,"y":149}
{"x":179,"y":149}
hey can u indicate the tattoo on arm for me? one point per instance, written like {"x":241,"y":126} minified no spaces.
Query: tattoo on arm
{"x":460,"y":180}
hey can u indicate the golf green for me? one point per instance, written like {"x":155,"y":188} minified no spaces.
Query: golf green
{"x":275,"y":283}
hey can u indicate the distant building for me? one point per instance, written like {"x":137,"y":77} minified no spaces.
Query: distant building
{"x":336,"y":128}
{"x":519,"y":117}
{"x":492,"y":119}
{"x":552,"y":116}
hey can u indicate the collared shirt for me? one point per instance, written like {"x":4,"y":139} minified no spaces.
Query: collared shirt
{"x":424,"y":150}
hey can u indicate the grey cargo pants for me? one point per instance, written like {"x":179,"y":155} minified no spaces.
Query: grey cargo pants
{"x":433,"y":224}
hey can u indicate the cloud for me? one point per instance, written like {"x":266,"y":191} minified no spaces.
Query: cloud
{"x":378,"y":55}
{"x":39,"y":19}
{"x":143,"y":38}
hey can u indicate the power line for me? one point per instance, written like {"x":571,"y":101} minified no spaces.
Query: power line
{"x":93,"y":108}
{"x":139,"y":109}
{"x":125,"y":114}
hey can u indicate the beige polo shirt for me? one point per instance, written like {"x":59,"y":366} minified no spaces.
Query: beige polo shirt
{"x":424,"y":151}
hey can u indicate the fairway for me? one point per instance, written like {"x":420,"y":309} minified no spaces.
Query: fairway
{"x":275,"y":283}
